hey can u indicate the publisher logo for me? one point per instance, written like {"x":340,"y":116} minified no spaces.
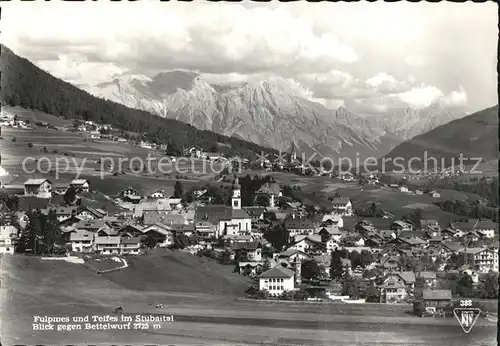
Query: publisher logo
{"x":466,"y":316}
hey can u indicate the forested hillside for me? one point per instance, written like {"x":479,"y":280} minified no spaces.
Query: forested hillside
{"x":24,"y":84}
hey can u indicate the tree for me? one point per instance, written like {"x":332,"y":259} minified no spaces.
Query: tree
{"x":267,"y":265}
{"x":262,"y":200}
{"x":150,"y":241}
{"x":336,"y":268}
{"x":372,"y":294}
{"x":29,"y":238}
{"x":310,"y":269}
{"x":355,"y":258}
{"x":464,"y":286}
{"x":366,"y":258}
{"x":213,"y":148}
{"x":178,"y":190}
{"x":350,"y":288}
{"x":488,"y":287}
{"x":373,"y":210}
{"x":416,"y":217}
{"x":70,"y":195}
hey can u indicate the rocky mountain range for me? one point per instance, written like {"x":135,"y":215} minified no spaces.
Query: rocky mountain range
{"x":272,"y":113}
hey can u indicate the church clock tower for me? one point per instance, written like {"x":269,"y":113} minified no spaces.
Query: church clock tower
{"x":236,"y":198}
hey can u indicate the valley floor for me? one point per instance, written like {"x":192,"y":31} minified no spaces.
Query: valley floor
{"x":209,"y":319}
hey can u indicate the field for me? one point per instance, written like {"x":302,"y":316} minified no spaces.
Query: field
{"x":205,"y":310}
{"x":74,"y":153}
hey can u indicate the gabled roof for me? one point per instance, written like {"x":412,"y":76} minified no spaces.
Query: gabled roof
{"x":464,"y":225}
{"x":80,"y":235}
{"x":219,"y":212}
{"x":426,"y":275}
{"x":436,"y":295}
{"x":35,"y":182}
{"x":278,"y":272}
{"x":79,"y":181}
{"x":484,"y":224}
{"x":341,"y":200}
{"x":291,"y":252}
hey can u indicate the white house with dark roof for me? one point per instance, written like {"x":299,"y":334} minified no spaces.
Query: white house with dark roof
{"x":483,"y":258}
{"x":38,"y":187}
{"x":81,"y":185}
{"x":343,"y":205}
{"x":82,"y":240}
{"x":162,"y":233}
{"x":130,"y":245}
{"x":277,"y":280}
{"x":486,"y":228}
{"x":108,"y":244}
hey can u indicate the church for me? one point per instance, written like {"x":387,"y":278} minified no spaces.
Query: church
{"x":227,"y":220}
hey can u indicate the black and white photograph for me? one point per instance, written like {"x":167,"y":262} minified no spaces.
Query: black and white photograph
{"x":249,"y":173}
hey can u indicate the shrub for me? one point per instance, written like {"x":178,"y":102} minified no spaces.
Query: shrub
{"x":30,"y":145}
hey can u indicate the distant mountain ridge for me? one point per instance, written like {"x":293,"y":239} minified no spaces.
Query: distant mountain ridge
{"x":272,"y":113}
{"x":474,"y":136}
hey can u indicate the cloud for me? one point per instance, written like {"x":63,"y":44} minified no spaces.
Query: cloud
{"x":212,"y":38}
{"x":415,"y":60}
{"x":75,"y":68}
{"x":322,"y":47}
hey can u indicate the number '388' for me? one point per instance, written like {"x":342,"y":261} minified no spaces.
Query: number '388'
{"x":465,"y":303}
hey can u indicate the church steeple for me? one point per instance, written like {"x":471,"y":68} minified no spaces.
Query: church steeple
{"x":293,"y":156}
{"x":236,"y":198}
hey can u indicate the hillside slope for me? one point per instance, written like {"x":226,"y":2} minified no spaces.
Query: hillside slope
{"x":26,"y":85}
{"x":475,"y":136}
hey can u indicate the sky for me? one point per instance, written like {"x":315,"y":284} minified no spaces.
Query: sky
{"x":368,"y":57}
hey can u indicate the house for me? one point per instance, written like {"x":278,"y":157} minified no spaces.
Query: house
{"x":95,"y":134}
{"x":403,"y":189}
{"x":160,"y":204}
{"x":483,"y":258}
{"x":464,"y":225}
{"x":129,"y":192}
{"x":89,"y":213}
{"x":301,"y":226}
{"x":41,"y":188}
{"x":94,"y":226}
{"x":343,"y":205}
{"x":82,"y":240}
{"x":194,"y":152}
{"x":426,"y":280}
{"x":7,"y":234}
{"x":401,"y":226}
{"x":131,"y":230}
{"x":333,"y":219}
{"x":62,"y":213}
{"x":205,"y":230}
{"x":80,"y":185}
{"x":309,"y":245}
{"x":161,"y":233}
{"x":145,"y":144}
{"x":250,"y":251}
{"x":277,"y":280}
{"x":431,"y":226}
{"x":166,"y":217}
{"x":419,"y":192}
{"x":396,"y":287}
{"x":130,"y":245}
{"x":436,"y":298}
{"x":271,"y":189}
{"x":256,"y":213}
{"x":434,"y":194}
{"x":60,"y":189}
{"x":158,"y":194}
{"x":331,"y":233}
{"x":486,"y":228}
{"x":107,"y":244}
{"x":187,"y":230}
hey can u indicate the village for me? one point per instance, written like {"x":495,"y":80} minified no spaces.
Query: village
{"x":290,"y":251}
